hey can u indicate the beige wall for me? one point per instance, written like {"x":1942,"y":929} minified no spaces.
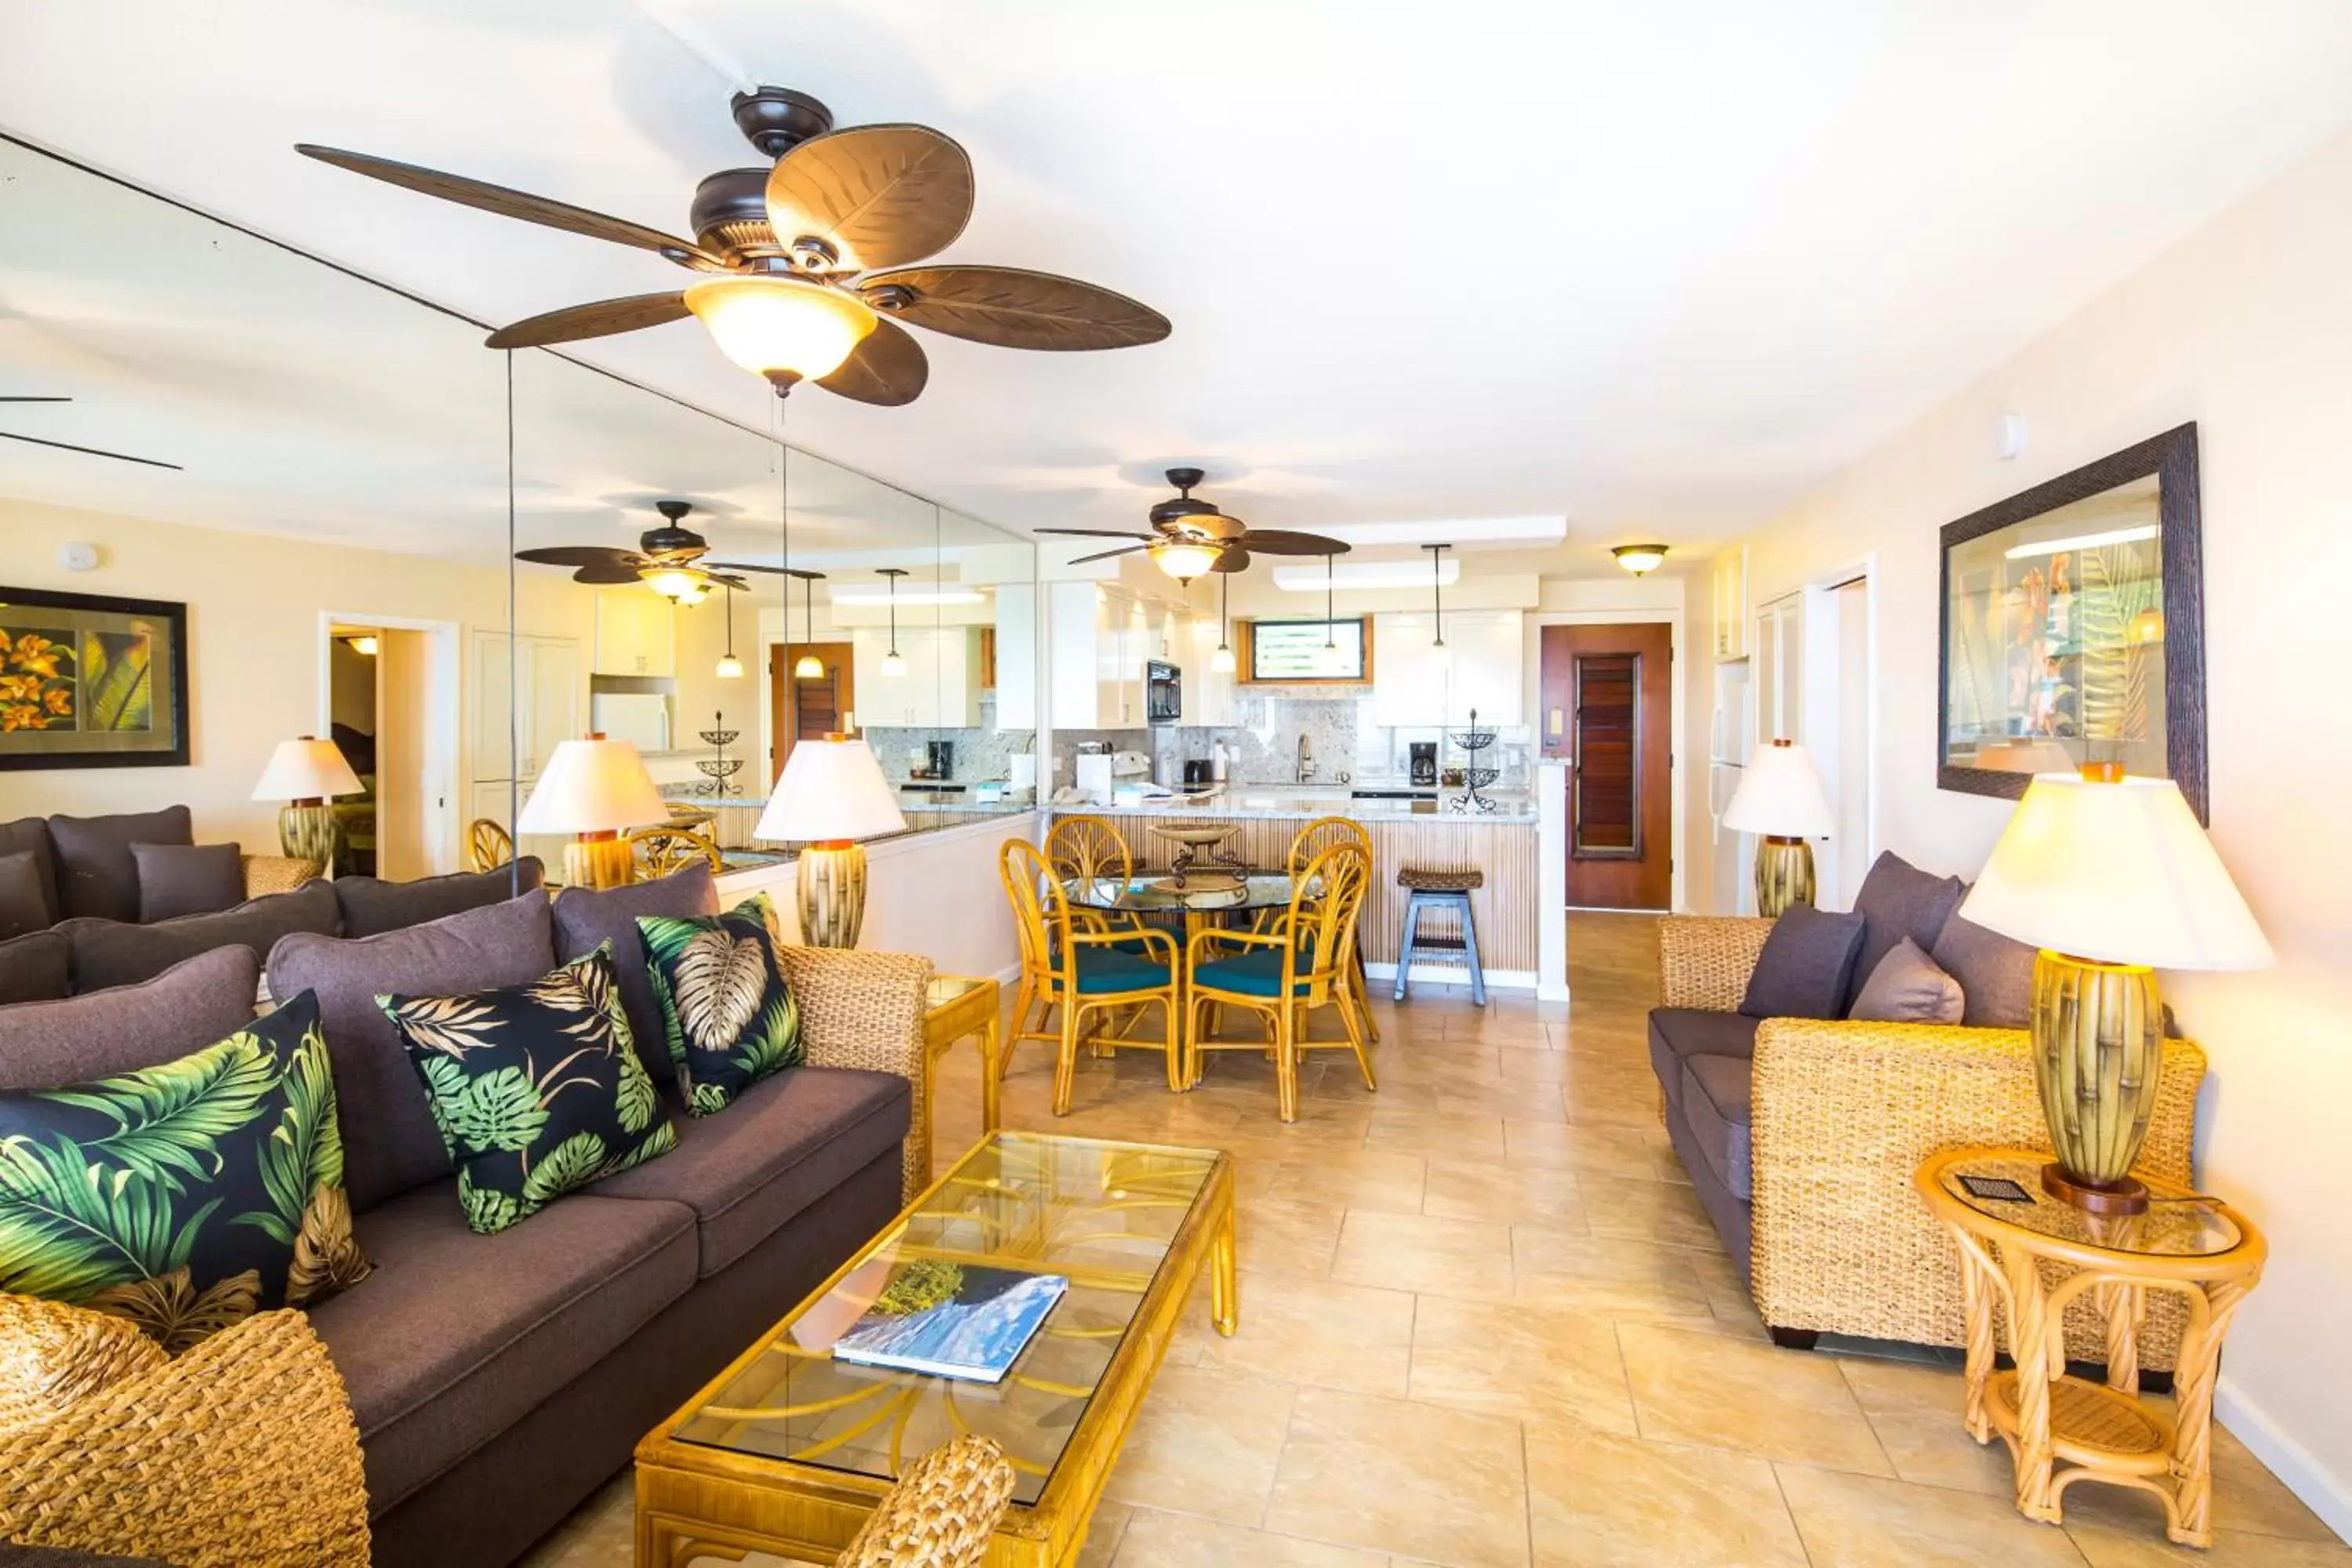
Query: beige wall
{"x":2246,"y":328}
{"x":254,"y":627}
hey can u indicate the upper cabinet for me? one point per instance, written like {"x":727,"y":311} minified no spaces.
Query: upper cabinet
{"x":1421,"y":686}
{"x":1100,"y":639}
{"x":1014,"y":656}
{"x":938,"y":688}
{"x":1731,"y":602}
{"x":635,"y":632}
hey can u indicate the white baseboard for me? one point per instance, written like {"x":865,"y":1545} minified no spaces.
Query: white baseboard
{"x":2325,"y":1493}
{"x":1459,"y":974}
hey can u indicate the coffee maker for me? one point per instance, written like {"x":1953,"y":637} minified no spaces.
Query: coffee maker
{"x":942,"y":760}
{"x":1424,"y":764}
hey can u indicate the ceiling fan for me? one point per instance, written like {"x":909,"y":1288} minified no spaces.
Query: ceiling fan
{"x":1190,"y":536}
{"x":665,"y":560}
{"x":805,"y":264}
{"x":70,"y":446}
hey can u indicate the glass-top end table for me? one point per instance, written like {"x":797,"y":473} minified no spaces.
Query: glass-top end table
{"x":788,"y":1449}
{"x":2005,"y":1185}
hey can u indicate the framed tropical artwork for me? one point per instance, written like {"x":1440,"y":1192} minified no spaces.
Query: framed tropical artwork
{"x":2073,"y":627}
{"x":87,"y":681}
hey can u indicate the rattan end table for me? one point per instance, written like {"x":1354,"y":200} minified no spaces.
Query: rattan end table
{"x":2061,"y":1429}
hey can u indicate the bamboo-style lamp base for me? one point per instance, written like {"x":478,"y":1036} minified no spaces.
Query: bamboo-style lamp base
{"x":832,"y":884}
{"x":310,"y":830}
{"x":2098,"y":1051}
{"x":599,"y":860}
{"x":1784,"y":874}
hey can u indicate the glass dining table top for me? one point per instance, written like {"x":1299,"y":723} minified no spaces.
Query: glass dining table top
{"x":1105,"y":1216}
{"x":1205,"y":889}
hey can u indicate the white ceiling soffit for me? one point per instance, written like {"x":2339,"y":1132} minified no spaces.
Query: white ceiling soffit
{"x":1512,"y":533}
{"x":1657,"y":268}
{"x":1368,"y":574}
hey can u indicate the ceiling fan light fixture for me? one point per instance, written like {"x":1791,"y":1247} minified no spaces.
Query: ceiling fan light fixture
{"x":678,"y":585}
{"x":1640,"y":559}
{"x":771,"y":324}
{"x":1184,"y":559}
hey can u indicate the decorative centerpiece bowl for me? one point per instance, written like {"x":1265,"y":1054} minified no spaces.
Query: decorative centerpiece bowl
{"x":1192,"y":839}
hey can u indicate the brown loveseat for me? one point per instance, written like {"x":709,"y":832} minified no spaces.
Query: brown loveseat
{"x":497,"y":1381}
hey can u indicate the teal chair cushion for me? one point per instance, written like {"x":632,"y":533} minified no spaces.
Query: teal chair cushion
{"x":1107,"y":970}
{"x":1254,"y":973}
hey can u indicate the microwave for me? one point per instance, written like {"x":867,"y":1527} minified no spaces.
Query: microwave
{"x":1164,"y":693}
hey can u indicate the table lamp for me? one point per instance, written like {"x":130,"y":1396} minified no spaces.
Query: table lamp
{"x":831,"y":794}
{"x":594,"y":789}
{"x":1779,"y":796}
{"x":2112,"y":880}
{"x":304,"y":773}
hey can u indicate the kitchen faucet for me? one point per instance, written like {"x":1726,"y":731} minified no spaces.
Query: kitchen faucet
{"x":1305,"y":762}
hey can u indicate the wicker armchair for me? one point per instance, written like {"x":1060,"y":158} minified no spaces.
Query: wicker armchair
{"x":1841,"y":1112}
{"x":865,"y":1010}
{"x":239,"y":1454}
{"x":942,"y":1512}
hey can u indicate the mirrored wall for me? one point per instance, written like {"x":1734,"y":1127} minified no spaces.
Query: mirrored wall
{"x":316,"y":535}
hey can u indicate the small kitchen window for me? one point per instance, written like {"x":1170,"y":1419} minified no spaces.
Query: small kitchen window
{"x":1307,"y":653}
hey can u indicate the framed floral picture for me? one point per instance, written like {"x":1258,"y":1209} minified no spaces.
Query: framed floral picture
{"x":87,"y":681}
{"x":2073,"y":627}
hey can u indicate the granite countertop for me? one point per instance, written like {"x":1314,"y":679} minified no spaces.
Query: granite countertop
{"x":912,"y":803}
{"x":1300,"y":803}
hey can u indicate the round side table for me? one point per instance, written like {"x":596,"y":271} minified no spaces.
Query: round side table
{"x":2061,"y":1429}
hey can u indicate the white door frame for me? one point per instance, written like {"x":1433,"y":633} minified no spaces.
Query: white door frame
{"x":1822,"y":674}
{"x":446,"y":701}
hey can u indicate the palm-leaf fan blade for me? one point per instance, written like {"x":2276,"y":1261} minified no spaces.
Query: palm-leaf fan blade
{"x":879,"y":194}
{"x":1099,"y":533}
{"x":888,"y":369}
{"x":601,"y":318}
{"x":1013,"y":308}
{"x":1105,"y":556}
{"x":1282,"y":541}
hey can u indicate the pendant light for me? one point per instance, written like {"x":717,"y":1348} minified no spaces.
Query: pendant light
{"x":1221,"y":661}
{"x":1331,"y":571}
{"x":892,"y":664}
{"x":1437,"y":591}
{"x":729,"y":667}
{"x":809,"y":667}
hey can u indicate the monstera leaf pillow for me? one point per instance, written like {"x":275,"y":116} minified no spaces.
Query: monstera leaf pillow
{"x":184,"y":1197}
{"x":536,"y":1088}
{"x":730,"y":1019}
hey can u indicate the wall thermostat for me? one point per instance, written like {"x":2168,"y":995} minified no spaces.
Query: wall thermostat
{"x":77,"y":557}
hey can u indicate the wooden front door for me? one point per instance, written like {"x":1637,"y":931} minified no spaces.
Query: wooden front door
{"x":1608,"y":711}
{"x":808,"y":709}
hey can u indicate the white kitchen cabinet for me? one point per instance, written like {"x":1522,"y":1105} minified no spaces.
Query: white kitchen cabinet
{"x":1417,"y":685}
{"x":1017,"y":657}
{"x":1777,"y":698}
{"x":636,"y":632}
{"x":938,"y":689}
{"x":1731,"y":640}
{"x":1099,"y":639}
{"x":545,"y":689}
{"x":1410,"y":673}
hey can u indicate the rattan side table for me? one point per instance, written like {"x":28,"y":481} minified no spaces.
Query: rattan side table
{"x":959,"y":1007}
{"x":2061,"y":1429}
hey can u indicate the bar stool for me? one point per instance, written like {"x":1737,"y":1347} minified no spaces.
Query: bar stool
{"x":1428,"y":890}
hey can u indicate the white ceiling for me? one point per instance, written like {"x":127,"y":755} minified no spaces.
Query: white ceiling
{"x":1653,"y":266}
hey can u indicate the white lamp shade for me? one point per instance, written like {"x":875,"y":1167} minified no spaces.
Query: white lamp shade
{"x":2118,"y":873}
{"x":1779,"y":794}
{"x":594,"y":786}
{"x":831,"y":789}
{"x":306,"y":768}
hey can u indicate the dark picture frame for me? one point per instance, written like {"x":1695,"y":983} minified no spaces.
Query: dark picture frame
{"x":2169,"y":461}
{"x":104,"y":685}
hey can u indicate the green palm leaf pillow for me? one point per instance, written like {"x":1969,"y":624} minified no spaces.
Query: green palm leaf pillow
{"x":184,"y":1197}
{"x":536,"y":1088}
{"x":729,"y":1018}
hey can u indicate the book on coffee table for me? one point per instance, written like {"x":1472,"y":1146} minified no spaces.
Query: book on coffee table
{"x":952,"y":1320}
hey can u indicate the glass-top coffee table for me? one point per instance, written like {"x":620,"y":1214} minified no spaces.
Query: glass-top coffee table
{"x":787,"y":1451}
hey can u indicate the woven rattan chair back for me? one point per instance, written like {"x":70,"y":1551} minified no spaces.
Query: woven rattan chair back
{"x":1324,"y":902}
{"x":488,"y":844}
{"x":661,"y":851}
{"x":1089,"y":849}
{"x":1041,"y":909}
{"x":1320,"y":835}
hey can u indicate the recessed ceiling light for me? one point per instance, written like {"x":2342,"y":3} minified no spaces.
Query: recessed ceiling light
{"x":1366,"y":574}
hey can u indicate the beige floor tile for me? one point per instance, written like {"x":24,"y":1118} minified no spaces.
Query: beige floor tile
{"x":1600,"y":1500}
{"x":1206,"y":1443}
{"x":1103,"y":1532}
{"x":1313,"y":1332}
{"x":1615,"y":1277}
{"x":1415,"y":1252}
{"x":1428,"y":1132}
{"x":2115,"y":1547}
{"x":1155,"y":1539}
{"x":1915,"y":1411}
{"x":1652,"y":1210}
{"x":1534,"y":1363}
{"x":1531,"y":1064}
{"x":1275,"y":1235}
{"x":1413,"y":1480}
{"x":1596,"y":1151}
{"x":1352,"y":1177}
{"x":1730,"y":1393}
{"x":1507,"y":1194}
{"x":1854,"y":1521}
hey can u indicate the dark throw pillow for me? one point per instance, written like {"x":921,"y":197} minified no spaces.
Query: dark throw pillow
{"x":30,"y":835}
{"x":587,"y":916}
{"x":1995,"y":972}
{"x":95,"y":875}
{"x":727,"y":1014}
{"x":1907,"y":988}
{"x":109,"y":952}
{"x":1806,"y":966}
{"x":187,"y":879}
{"x":33,"y":967}
{"x":184,"y":1197}
{"x":23,"y":895}
{"x":372,"y":906}
{"x":1898,"y":899}
{"x":536,"y":1088}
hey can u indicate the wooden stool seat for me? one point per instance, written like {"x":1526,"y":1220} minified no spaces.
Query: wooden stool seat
{"x":1423,"y":880}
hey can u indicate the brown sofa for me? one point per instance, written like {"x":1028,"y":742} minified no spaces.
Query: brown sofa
{"x":497,"y":1381}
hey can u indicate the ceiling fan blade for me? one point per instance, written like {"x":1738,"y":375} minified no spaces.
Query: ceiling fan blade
{"x":1099,"y":533}
{"x":879,"y":195}
{"x":1105,"y":555}
{"x":888,"y":369}
{"x":1234,"y":559}
{"x":1013,"y":308}
{"x":1282,"y":541}
{"x":728,"y":582}
{"x":609,"y":572}
{"x":92,"y":451}
{"x":581,"y":555}
{"x":600,"y":319}
{"x":771,"y":571}
{"x":513,"y":204}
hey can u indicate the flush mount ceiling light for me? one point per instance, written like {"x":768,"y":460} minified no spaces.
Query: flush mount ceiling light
{"x":1368,"y":574}
{"x":800,"y":259}
{"x":1640,"y":559}
{"x":364,"y":644}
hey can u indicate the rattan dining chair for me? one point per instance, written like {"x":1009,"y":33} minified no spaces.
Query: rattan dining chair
{"x":488,"y":844}
{"x":1284,"y":974}
{"x":1305,"y":844}
{"x":661,"y":851}
{"x":1075,"y":971}
{"x":1092,"y":849}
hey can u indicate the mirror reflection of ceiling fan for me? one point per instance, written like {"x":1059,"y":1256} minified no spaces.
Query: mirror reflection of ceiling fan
{"x":805,"y":265}
{"x":1190,"y":537}
{"x":668,"y":559}
{"x":70,"y":446}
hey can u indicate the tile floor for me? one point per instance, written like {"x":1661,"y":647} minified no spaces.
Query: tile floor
{"x":1485,"y":1323}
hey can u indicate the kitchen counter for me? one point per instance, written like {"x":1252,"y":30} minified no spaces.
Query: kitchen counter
{"x":1296,"y":803}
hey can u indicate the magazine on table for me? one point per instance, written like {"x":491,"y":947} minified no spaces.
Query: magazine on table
{"x":962,"y":1320}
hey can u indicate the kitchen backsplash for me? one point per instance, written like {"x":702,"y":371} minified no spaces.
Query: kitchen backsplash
{"x":1262,"y":747}
{"x":981,"y":753}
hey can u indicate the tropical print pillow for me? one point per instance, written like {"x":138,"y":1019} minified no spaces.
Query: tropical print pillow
{"x":729,"y":1015}
{"x":184,"y":1197}
{"x":536,"y":1088}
